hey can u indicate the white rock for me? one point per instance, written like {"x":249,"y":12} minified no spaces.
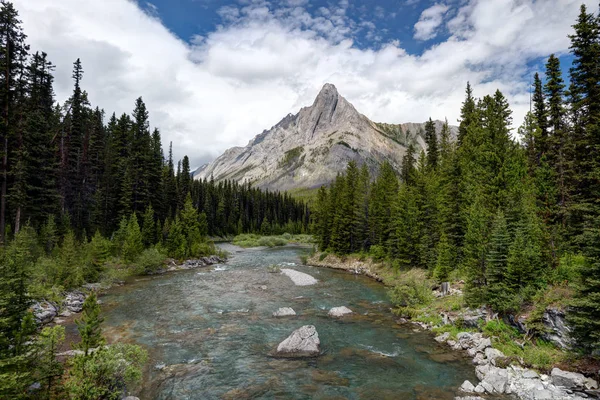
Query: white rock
{"x":299,"y":278}
{"x":303,"y":342}
{"x":493,"y":354}
{"x":339,"y":311}
{"x":467,"y":387}
{"x":569,"y":380}
{"x":284,"y":312}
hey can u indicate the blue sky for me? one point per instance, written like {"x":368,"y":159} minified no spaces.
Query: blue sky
{"x":392,"y":20}
{"x":216,"y":73}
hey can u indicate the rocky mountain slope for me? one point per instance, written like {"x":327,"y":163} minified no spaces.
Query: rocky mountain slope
{"x":308,"y":149}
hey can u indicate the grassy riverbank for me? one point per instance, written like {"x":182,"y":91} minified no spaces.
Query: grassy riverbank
{"x":415,"y":297}
{"x":253,"y":240}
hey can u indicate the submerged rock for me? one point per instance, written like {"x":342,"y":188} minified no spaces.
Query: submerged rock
{"x":303,"y":342}
{"x":299,"y":278}
{"x":339,"y":311}
{"x":284,"y":312}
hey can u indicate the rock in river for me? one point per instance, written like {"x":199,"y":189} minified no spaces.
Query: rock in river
{"x":339,"y":311}
{"x":299,"y":278}
{"x":284,"y":312}
{"x":303,"y":342}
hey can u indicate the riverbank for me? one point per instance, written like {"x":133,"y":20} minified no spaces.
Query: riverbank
{"x":528,"y":371}
{"x":248,"y":240}
{"x":62,"y":310}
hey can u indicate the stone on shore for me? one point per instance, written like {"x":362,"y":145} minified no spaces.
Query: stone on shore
{"x":44,"y":312}
{"x":572,"y":380}
{"x":284,"y":312}
{"x":303,"y":342}
{"x":339,"y":311}
{"x":299,"y":278}
{"x":467,"y":387}
{"x":74,"y":301}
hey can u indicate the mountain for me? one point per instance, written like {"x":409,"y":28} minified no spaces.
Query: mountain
{"x":308,"y":149}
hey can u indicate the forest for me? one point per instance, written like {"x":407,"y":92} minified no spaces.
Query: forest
{"x":517,"y":217}
{"x":88,"y":198}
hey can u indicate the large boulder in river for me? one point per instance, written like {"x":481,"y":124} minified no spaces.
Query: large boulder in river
{"x":284,"y":312}
{"x":303,"y":342}
{"x":339,"y":311}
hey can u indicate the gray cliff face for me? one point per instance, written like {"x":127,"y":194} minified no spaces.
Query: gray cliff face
{"x":308,"y":149}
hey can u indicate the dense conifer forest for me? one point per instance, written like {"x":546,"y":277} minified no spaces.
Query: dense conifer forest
{"x":515,"y":216}
{"x":87,"y":197}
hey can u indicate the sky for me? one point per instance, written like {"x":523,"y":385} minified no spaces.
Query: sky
{"x":215,"y":73}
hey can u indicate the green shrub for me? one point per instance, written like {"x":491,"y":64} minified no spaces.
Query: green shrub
{"x":150,"y":261}
{"x":377,"y":252}
{"x":323,"y":255}
{"x":412,"y":288}
{"x":104,"y":373}
{"x":569,"y":269}
{"x":304,"y":259}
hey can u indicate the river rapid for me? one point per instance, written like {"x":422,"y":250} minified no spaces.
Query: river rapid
{"x":209,"y":333}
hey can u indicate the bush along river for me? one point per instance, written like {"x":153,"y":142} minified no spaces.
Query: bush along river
{"x":211,"y":334}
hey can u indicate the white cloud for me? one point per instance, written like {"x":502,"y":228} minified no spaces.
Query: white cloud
{"x":430,"y":20}
{"x":263,"y":63}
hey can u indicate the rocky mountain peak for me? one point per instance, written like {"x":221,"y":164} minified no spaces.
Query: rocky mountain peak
{"x":308,"y":149}
{"x":329,"y":111}
{"x":327,"y":96}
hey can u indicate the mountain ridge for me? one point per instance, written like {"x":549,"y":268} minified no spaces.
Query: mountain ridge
{"x":309,"y":148}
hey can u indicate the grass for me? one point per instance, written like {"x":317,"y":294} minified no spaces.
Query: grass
{"x":253,"y":240}
{"x":308,"y":195}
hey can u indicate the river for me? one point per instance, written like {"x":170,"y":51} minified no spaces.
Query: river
{"x":209,"y":333}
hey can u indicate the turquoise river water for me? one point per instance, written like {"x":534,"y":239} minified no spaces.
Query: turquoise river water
{"x":210,"y":333}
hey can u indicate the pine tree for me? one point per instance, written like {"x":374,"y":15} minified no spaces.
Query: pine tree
{"x":585,"y":316}
{"x":408,"y":166}
{"x":475,"y":252}
{"x":89,"y":325}
{"x":467,"y":113}
{"x":541,"y":115}
{"x":133,"y":244}
{"x":49,"y":370}
{"x":383,"y":193}
{"x":148,"y":227}
{"x":497,"y":292}
{"x":432,"y":145}
{"x":445,"y":259}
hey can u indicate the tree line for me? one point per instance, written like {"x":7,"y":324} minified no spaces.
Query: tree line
{"x":507,"y":215}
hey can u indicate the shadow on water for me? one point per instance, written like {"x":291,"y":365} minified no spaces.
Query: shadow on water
{"x":209,"y":333}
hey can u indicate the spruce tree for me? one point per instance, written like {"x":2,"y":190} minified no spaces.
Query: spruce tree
{"x":133,"y":244}
{"x":497,"y":291}
{"x":467,"y":113}
{"x":541,"y":115}
{"x":475,"y":252}
{"x":148,"y":227}
{"x":89,"y":325}
{"x":445,"y":259}
{"x":432,"y":145}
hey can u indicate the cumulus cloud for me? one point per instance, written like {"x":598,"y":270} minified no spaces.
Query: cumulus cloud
{"x":264,"y":62}
{"x":429,"y":22}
